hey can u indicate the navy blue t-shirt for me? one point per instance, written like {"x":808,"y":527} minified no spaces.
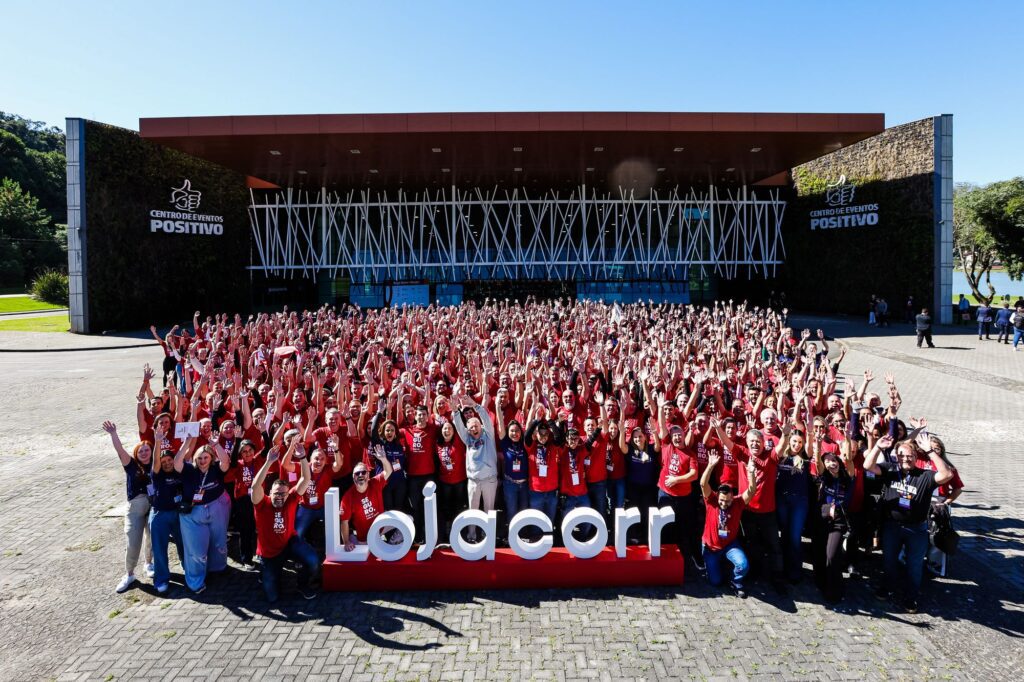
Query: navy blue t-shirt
{"x":166,"y":491}
{"x":193,"y":480}
{"x":514,"y":459}
{"x":136,"y":479}
{"x":642,"y":466}
{"x":396,"y":455}
{"x":791,"y":481}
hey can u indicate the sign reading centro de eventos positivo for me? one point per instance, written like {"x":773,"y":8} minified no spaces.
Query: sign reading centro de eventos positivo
{"x":185,"y":220}
{"x":842,"y":212}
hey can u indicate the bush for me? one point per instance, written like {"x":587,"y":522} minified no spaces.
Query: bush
{"x":52,"y":287}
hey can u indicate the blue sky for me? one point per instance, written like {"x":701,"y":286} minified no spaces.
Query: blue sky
{"x":908,"y":60}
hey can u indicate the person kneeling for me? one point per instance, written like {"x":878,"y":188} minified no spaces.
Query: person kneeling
{"x":276,"y":539}
{"x":722,"y":528}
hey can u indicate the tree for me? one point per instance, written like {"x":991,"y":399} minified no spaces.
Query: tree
{"x":27,"y":237}
{"x":32,"y":154}
{"x":988,"y":228}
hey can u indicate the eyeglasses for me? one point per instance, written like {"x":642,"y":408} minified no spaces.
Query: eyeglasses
{"x":359,"y":475}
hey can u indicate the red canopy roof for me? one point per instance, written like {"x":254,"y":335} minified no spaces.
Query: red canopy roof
{"x":532,"y":149}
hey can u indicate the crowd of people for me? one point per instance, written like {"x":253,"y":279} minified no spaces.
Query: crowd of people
{"x":724,"y":413}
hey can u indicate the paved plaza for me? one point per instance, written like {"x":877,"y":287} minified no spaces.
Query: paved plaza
{"x":61,"y":554}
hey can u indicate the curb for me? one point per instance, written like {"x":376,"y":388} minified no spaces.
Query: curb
{"x":73,"y":350}
{"x":28,"y":313}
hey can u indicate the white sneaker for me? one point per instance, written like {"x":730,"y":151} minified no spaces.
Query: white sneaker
{"x":162,"y":589}
{"x":126,"y":582}
{"x":150,"y":570}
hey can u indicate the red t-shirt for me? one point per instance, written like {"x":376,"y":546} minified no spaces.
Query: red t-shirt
{"x":420,"y":445}
{"x":242,"y":475}
{"x":253,"y":433}
{"x":274,"y":527}
{"x":317,"y":488}
{"x":452,"y":457}
{"x":714,"y":518}
{"x":543,"y":466}
{"x":573,"y":471}
{"x":595,"y":461}
{"x":360,"y":509}
{"x":767,"y":469}
{"x":675,"y":462}
{"x":614,"y":459}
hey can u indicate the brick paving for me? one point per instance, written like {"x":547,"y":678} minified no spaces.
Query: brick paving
{"x":60,"y":558}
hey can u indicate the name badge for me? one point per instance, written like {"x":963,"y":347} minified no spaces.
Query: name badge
{"x":250,"y":491}
{"x":397,"y":466}
{"x":575,"y":479}
{"x":904,"y":503}
{"x":542,"y":470}
{"x":449,"y":466}
{"x":723,"y":532}
{"x":292,"y":477}
{"x":177,"y":498}
{"x":609,"y":466}
{"x":517,"y":465}
{"x":197,"y":498}
{"x":313,"y":499}
{"x":151,"y":490}
{"x":586,"y":462}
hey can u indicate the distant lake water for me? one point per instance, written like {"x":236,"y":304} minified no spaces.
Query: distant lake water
{"x":1000,"y":280}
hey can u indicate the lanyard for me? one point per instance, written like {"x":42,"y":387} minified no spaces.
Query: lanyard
{"x":723,"y":518}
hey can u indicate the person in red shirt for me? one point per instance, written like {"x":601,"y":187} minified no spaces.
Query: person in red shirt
{"x":543,"y":455}
{"x":678,"y":471}
{"x":759,"y":522}
{"x":451,"y":458}
{"x":242,"y":473}
{"x":722,"y":528}
{"x":420,"y":443}
{"x":364,"y":501}
{"x":311,"y":504}
{"x":277,"y":541}
{"x":597,"y":470}
{"x":573,"y":477}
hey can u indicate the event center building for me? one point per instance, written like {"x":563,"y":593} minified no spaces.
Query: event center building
{"x":252,"y":212}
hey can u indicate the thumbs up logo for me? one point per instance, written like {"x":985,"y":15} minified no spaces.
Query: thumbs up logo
{"x":185,"y":198}
{"x":840,"y":193}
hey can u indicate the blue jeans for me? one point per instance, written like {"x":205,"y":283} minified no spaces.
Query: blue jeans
{"x":1017,"y":335}
{"x":545,"y":502}
{"x":517,"y":497}
{"x":732,"y":553}
{"x":204,"y":532}
{"x":616,"y":494}
{"x":298,"y":551}
{"x":598,"y":494}
{"x":305,"y":517}
{"x":983,"y":329}
{"x":792,"y":514}
{"x":164,"y":528}
{"x":913,"y":539}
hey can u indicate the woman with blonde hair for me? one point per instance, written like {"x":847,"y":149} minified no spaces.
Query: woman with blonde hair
{"x":204,"y":517}
{"x":136,"y":528}
{"x":791,"y":498}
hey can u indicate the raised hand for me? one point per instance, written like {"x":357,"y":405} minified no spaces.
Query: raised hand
{"x":110,"y":427}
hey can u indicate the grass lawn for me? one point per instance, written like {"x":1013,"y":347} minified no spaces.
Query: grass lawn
{"x":24,"y":304}
{"x":52,"y":323}
{"x":997,"y":301}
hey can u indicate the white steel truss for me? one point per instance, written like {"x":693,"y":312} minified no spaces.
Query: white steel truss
{"x":456,"y":235}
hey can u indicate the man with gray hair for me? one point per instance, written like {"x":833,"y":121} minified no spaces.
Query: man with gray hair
{"x":477,"y":432}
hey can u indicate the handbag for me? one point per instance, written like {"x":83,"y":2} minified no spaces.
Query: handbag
{"x":941,"y":533}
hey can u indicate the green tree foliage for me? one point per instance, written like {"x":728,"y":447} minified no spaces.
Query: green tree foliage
{"x":988,"y":228}
{"x":27,"y":240}
{"x":32,"y":155}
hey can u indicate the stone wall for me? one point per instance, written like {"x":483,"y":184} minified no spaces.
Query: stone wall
{"x":886,"y":243}
{"x":898,"y":152}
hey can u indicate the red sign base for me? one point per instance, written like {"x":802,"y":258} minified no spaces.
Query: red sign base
{"x":446,"y":571}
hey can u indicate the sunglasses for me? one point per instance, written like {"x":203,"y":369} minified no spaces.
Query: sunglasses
{"x":359,"y":474}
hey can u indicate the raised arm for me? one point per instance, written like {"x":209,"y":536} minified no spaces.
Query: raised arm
{"x":256,"y":493}
{"x":705,"y":478}
{"x":122,"y":454}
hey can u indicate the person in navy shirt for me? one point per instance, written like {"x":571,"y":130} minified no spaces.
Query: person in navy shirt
{"x":204,"y":527}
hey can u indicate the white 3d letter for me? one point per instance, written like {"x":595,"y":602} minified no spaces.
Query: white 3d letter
{"x":530,"y":550}
{"x":391,"y":519}
{"x":624,"y":518}
{"x":591,"y":548}
{"x":474,"y":551}
{"x":430,"y":519}
{"x":333,"y":542}
{"x":656,"y":520}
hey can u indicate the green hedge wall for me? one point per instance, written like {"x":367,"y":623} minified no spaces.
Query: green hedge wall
{"x":136,"y":277}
